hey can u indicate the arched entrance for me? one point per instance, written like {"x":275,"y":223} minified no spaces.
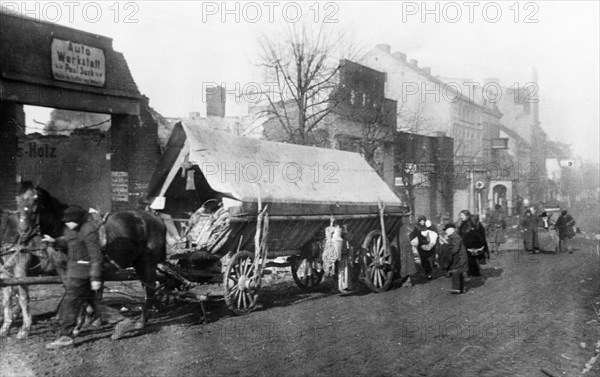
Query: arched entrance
{"x":501,"y":192}
{"x":499,"y":195}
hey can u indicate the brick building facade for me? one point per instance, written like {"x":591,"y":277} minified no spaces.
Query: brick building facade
{"x":44,"y":64}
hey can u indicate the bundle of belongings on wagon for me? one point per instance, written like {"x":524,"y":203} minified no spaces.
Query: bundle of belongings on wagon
{"x":207,"y":230}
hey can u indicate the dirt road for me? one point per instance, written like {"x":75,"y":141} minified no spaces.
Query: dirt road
{"x":529,"y":312}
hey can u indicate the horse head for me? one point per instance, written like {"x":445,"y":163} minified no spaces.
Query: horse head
{"x":39,"y":212}
{"x":27,"y":209}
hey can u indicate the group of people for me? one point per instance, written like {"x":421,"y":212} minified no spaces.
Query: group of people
{"x":460,"y":250}
{"x":463,"y":247}
{"x":538,"y":232}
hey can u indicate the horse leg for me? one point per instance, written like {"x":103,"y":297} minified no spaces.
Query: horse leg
{"x":147,"y":272}
{"x":27,"y":320}
{"x":7,"y":293}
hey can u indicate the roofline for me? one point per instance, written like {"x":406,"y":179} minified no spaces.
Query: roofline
{"x":435,"y":79}
{"x":4,"y":13}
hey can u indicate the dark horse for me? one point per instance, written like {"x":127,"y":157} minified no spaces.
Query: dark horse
{"x":133,"y":238}
{"x":23,"y":253}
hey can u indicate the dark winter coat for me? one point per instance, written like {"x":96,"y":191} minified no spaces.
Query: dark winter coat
{"x":472,"y":233}
{"x":83,"y":250}
{"x":565,"y":224}
{"x":456,"y":252}
{"x":529,"y":231}
{"x":496,"y":228}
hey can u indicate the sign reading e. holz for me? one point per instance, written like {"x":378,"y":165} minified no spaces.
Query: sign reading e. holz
{"x":76,"y":62}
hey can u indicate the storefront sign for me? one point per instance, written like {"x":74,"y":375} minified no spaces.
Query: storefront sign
{"x":120,"y":186}
{"x":500,"y":143}
{"x":78,"y":63}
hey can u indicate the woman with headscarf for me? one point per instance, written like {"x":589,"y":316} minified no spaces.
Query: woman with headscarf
{"x":472,"y":232}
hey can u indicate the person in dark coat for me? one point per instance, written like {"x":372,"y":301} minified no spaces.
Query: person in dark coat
{"x":454,"y":248}
{"x":472,"y":233}
{"x":84,"y":276}
{"x":565,"y":225}
{"x":529,"y":230}
{"x":407,"y":261}
{"x":496,"y":228}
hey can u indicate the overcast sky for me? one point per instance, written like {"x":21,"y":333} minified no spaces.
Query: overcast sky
{"x":174,"y":47}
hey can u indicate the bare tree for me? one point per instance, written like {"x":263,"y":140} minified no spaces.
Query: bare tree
{"x":375,"y":127}
{"x":408,"y":162}
{"x":302,"y":63}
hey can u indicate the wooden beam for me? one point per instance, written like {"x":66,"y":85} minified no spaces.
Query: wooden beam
{"x":42,"y":280}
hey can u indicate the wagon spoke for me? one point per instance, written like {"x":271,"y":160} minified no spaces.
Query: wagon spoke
{"x":234,"y":292}
{"x":240,"y":275}
{"x":377,"y":262}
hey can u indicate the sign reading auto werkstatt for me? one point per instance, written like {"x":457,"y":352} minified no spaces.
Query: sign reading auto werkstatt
{"x":76,"y":62}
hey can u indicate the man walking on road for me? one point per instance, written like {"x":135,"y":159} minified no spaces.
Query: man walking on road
{"x":457,"y":253}
{"x":565,"y":225}
{"x":84,"y":276}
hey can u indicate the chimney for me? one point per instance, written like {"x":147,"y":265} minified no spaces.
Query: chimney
{"x":385,"y":48}
{"x":413,"y":62}
{"x":426,"y":70}
{"x":215,"y":101}
{"x":400,"y":56}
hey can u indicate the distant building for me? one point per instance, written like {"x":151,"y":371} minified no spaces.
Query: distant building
{"x":429,"y":105}
{"x":520,"y":107}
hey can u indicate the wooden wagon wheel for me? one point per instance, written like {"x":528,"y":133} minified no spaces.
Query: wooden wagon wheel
{"x":241,"y":291}
{"x":377,"y":262}
{"x":305,"y":272}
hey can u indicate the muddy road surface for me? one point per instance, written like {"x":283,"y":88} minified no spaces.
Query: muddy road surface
{"x":527,"y":314}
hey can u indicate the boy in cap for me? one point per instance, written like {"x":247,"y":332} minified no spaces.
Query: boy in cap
{"x":84,"y":276}
{"x":457,"y":253}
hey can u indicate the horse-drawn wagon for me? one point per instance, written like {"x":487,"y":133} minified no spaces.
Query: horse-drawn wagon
{"x":326,"y":210}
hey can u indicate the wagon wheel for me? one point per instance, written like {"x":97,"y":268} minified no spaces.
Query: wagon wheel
{"x":305,"y":273}
{"x":377,"y":262}
{"x":241,"y":289}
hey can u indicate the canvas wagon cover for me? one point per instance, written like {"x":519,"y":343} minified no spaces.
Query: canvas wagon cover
{"x":290,"y":174}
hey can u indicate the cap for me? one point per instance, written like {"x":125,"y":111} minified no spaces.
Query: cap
{"x":449,"y":225}
{"x":74,"y":214}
